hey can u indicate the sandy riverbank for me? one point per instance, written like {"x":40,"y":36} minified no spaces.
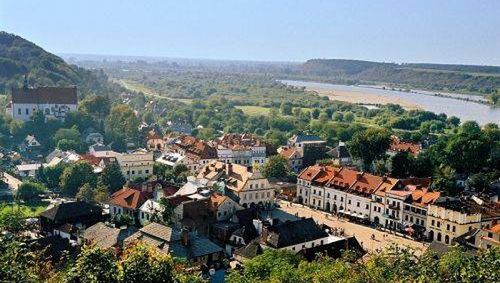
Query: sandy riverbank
{"x":363,"y":97}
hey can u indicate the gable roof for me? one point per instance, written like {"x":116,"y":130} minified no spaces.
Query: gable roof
{"x":235,"y":175}
{"x":300,"y":138}
{"x":104,"y":237}
{"x":69,"y":210}
{"x":129,"y":198}
{"x":45,"y":95}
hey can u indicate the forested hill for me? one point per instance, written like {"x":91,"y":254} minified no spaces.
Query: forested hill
{"x":479,"y":79}
{"x":19,"y":56}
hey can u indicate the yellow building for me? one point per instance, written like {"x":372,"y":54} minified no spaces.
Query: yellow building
{"x":137,"y":164}
{"x":450,"y":218}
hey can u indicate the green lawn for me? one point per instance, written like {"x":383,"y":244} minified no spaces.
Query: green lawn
{"x":32,"y":209}
{"x":255,"y":110}
{"x":138,"y":87}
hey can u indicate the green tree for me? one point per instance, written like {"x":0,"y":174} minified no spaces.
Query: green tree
{"x":286,"y":108}
{"x":143,"y":264}
{"x":349,"y":117}
{"x":369,"y":145}
{"x":122,"y":124}
{"x":402,"y":165}
{"x":112,"y":177}
{"x":96,"y":105}
{"x":52,"y":175}
{"x":444,"y":180}
{"x":94,"y":265}
{"x":276,"y":166}
{"x":86,"y":193}
{"x":29,"y":191}
{"x":75,"y":176}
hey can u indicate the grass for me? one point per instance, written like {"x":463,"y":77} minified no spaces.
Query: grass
{"x":255,"y":110}
{"x":29,"y":209}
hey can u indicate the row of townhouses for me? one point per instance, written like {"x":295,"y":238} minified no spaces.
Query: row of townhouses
{"x":404,"y":205}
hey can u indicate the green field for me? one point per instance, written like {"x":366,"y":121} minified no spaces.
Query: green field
{"x":28,"y":209}
{"x":254,"y":110}
{"x":138,"y":87}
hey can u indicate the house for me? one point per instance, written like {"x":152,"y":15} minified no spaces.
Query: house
{"x":148,"y":210}
{"x":104,"y":236}
{"x":54,"y":102}
{"x":242,"y":149}
{"x":292,"y":156}
{"x":222,"y":206}
{"x":128,"y":201}
{"x":94,"y":138}
{"x":311,"y":147}
{"x":65,"y":156}
{"x":66,"y":218}
{"x":28,"y":170}
{"x":197,"y":250}
{"x":398,"y":145}
{"x":30,"y":143}
{"x":98,"y":163}
{"x":100,"y":150}
{"x":188,"y":150}
{"x":295,"y":236}
{"x":137,"y":164}
{"x":248,"y":186}
{"x":155,"y":141}
{"x":449,"y":218}
{"x":340,"y":155}
{"x":484,"y":238}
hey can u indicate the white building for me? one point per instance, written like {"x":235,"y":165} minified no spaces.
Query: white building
{"x":241,"y":149}
{"x":28,"y":170}
{"x":137,"y":164}
{"x":54,"y":102}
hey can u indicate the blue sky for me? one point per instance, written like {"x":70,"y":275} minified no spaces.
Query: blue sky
{"x":453,"y":31}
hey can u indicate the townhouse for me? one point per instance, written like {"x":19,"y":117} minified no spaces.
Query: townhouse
{"x":244,"y":184}
{"x":244,"y":149}
{"x":136,"y":164}
{"x":449,"y":218}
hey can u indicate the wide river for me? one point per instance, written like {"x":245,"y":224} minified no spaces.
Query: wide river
{"x":465,"y":110}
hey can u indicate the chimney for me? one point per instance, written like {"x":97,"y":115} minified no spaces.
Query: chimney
{"x":265,"y":234}
{"x":384,"y":178}
{"x":185,"y":237}
{"x":229,"y":169}
{"x":358,"y":175}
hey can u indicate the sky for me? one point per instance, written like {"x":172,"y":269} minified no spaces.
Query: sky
{"x":435,"y":31}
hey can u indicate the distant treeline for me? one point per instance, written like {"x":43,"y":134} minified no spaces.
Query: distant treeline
{"x":460,"y":78}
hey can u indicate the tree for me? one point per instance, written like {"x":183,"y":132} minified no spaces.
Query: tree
{"x":369,"y":145}
{"x":86,"y":193}
{"x":29,"y":191}
{"x":94,"y":265}
{"x":276,"y":166}
{"x":145,"y":264}
{"x":112,"y":177}
{"x":337,"y":116}
{"x":467,"y":151}
{"x":12,"y":221}
{"x":52,"y":175}
{"x":315,"y":113}
{"x":71,"y":134}
{"x":122,"y":124}
{"x":349,"y":117}
{"x":402,"y":165}
{"x":75,"y":176}
{"x":179,"y":169}
{"x":167,"y":212}
{"x":101,"y":193}
{"x":444,"y":180}
{"x":286,"y":108}
{"x":95,"y":105}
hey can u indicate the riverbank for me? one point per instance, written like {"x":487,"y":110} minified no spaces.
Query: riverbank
{"x":360,"y":97}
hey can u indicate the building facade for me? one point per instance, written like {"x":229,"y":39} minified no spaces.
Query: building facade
{"x":137,"y":164}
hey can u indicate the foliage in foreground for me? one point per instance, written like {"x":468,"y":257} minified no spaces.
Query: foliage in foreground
{"x":392,"y":265}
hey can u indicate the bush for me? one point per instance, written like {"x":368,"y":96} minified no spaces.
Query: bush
{"x":30,"y":191}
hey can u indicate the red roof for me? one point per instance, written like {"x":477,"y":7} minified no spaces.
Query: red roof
{"x":129,"y":198}
{"x":177,"y":200}
{"x":404,"y":146}
{"x":344,"y":178}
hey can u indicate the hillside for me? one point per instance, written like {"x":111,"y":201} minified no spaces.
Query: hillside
{"x":19,"y":56}
{"x":473,"y":79}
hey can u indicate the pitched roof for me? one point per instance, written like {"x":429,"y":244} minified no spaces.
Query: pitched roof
{"x":344,"y":178}
{"x":251,"y":250}
{"x":236,"y":175}
{"x":305,"y":138}
{"x":104,"y":236}
{"x":69,"y":210}
{"x":129,"y":198}
{"x":398,"y":145}
{"x":293,"y":233}
{"x":45,"y":95}
{"x":216,"y":200}
{"x":290,"y":152}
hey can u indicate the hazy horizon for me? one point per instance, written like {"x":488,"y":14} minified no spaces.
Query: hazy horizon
{"x":442,"y":32}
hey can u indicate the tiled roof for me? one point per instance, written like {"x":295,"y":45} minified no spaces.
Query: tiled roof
{"x":236,"y":175}
{"x":45,"y":95}
{"x":495,"y":228}
{"x":289,"y":153}
{"x":129,"y":198}
{"x":293,"y":233}
{"x":344,"y":179}
{"x":216,"y":200}
{"x":366,"y":184}
{"x":404,"y":146}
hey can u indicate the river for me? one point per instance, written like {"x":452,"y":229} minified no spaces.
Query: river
{"x":465,"y":110}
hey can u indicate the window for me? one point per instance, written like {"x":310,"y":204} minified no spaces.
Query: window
{"x":439,"y":224}
{"x":406,"y":217}
{"x":367,"y":206}
{"x":147,"y":171}
{"x":448,"y":227}
{"x":349,"y":202}
{"x":411,"y":218}
{"x":27,"y":111}
{"x":319,"y":193}
{"x":341,"y":198}
{"x":328,"y":195}
{"x":334,"y":197}
{"x":453,"y":229}
{"x":18,"y":111}
{"x":432,"y":223}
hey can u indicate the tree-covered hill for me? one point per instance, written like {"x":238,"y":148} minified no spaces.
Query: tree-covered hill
{"x":19,"y":56}
{"x":475,"y":79}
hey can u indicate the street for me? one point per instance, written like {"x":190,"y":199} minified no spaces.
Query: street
{"x":362,"y":233}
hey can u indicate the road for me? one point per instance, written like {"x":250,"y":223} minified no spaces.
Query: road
{"x":362,"y":233}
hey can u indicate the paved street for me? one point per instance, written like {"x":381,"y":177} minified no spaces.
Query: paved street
{"x":362,"y":233}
